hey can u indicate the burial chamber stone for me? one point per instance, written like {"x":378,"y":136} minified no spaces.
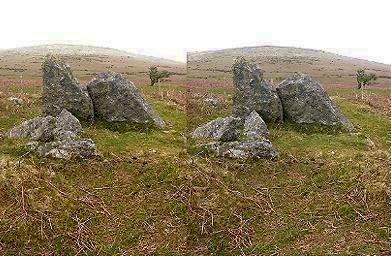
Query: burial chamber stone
{"x":116,"y":99}
{"x":56,"y":137}
{"x":67,"y":126}
{"x":67,"y":149}
{"x":262,"y":148}
{"x":237,"y":138}
{"x":38,"y":129}
{"x":61,"y":90}
{"x":48,"y":128}
{"x":221,"y":129}
{"x":253,"y":92}
{"x":255,"y":127}
{"x":305,"y":101}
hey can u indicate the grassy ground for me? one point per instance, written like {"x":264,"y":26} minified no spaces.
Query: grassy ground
{"x":328,"y":193}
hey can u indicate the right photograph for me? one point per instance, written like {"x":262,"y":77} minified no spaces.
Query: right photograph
{"x":299,"y":141}
{"x":242,"y":100}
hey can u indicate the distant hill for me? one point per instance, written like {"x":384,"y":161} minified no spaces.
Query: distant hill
{"x":85,"y":62}
{"x":278,"y":62}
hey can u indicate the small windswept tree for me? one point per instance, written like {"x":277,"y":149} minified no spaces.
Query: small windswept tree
{"x":364,"y":79}
{"x":156,"y":76}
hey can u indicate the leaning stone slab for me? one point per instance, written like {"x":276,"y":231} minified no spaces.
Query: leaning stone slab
{"x":116,"y":99}
{"x":38,"y":128}
{"x":253,"y":92}
{"x":243,"y":149}
{"x":67,"y":126}
{"x":221,"y":129}
{"x":68,"y":149}
{"x":61,"y":90}
{"x":254,"y":127}
{"x":305,"y":101}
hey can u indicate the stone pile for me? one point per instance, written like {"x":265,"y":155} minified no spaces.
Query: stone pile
{"x":57,"y":137}
{"x":298,"y":99}
{"x":237,"y":138}
{"x":109,"y":97}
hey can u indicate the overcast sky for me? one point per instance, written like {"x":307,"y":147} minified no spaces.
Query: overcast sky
{"x":169,"y":28}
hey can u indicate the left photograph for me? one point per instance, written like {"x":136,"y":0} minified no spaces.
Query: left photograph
{"x":64,"y":101}
{"x":86,"y":134}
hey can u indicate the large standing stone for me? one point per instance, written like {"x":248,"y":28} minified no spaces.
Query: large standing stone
{"x":253,"y":92}
{"x":305,"y":101}
{"x":221,"y":129}
{"x":38,"y":128}
{"x":116,"y":99}
{"x":61,"y":90}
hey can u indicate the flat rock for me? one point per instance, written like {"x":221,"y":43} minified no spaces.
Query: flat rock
{"x":16,"y":100}
{"x":32,"y":145}
{"x":38,"y":128}
{"x":305,"y":101}
{"x":253,"y":92}
{"x":61,"y":90}
{"x":116,"y":99}
{"x":67,"y":149}
{"x":221,"y":129}
{"x":243,"y":149}
{"x":254,"y":127}
{"x":213,"y":102}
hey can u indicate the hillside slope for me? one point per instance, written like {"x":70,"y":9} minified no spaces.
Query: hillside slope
{"x":85,"y":61}
{"x":278,"y":62}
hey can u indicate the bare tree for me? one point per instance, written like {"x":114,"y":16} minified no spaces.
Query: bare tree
{"x":364,"y":79}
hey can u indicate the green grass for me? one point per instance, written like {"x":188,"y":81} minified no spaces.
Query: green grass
{"x":327,"y":193}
